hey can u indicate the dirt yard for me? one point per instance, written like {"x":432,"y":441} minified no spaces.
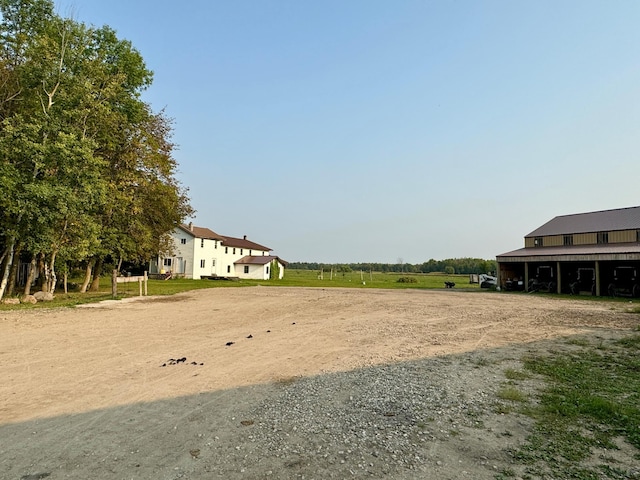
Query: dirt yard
{"x":275,"y":383}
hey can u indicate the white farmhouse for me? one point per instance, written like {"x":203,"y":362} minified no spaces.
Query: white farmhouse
{"x":203,"y":253}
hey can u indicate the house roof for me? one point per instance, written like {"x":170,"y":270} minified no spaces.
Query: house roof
{"x":201,"y":232}
{"x":601,"y":221}
{"x":602,"y":249}
{"x":243,"y":243}
{"x":259,"y":260}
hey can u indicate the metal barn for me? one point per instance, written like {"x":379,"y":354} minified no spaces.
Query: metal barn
{"x":595,"y":253}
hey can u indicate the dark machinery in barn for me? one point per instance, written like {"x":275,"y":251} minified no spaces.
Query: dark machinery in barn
{"x":544,"y":281}
{"x":625,"y":282}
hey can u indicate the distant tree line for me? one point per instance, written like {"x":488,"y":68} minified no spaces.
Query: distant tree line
{"x":450,"y":265}
{"x":86,"y":167}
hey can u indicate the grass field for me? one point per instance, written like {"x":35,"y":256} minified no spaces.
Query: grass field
{"x":292,"y":278}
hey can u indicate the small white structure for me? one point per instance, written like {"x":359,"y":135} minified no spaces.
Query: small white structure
{"x":202,"y":253}
{"x":260,"y":268}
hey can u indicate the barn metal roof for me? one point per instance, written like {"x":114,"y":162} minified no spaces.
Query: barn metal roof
{"x":574,"y":250}
{"x":601,"y":221}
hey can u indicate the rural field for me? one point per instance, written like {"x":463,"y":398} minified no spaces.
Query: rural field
{"x":315,"y":383}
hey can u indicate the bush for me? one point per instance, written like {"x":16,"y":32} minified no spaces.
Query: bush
{"x":407,"y":280}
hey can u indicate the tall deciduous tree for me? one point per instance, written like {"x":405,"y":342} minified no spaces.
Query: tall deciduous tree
{"x":87,"y":165}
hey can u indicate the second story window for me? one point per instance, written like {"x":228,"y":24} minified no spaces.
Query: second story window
{"x":240,"y":251}
{"x":234,"y":250}
{"x":183,"y":241}
{"x":202,"y":243}
{"x":226,"y":249}
{"x":603,"y":237}
{"x":567,"y":240}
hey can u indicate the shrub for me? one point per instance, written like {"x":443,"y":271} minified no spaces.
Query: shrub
{"x":407,"y":280}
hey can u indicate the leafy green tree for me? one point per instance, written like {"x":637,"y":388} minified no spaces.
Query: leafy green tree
{"x":88,"y":165}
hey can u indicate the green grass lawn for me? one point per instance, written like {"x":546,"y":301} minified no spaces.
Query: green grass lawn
{"x":292,"y":278}
{"x":356,"y":279}
{"x":592,"y":397}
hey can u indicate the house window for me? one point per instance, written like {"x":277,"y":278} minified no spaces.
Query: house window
{"x":267,"y":269}
{"x":249,"y":252}
{"x":213,"y":262}
{"x":202,"y":243}
{"x":638,"y":236}
{"x":228,"y":268}
{"x":537,"y":242}
{"x":603,"y":237}
{"x":202,"y":263}
{"x":246,"y":269}
{"x":167,"y":262}
{"x":240,"y":251}
{"x":567,"y":240}
{"x":226,"y":249}
{"x":215,"y":244}
{"x":234,"y":250}
{"x":183,"y":241}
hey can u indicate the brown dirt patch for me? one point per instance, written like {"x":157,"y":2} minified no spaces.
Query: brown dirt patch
{"x":98,"y":370}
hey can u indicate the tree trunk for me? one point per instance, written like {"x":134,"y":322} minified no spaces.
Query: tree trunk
{"x":87,"y":275}
{"x":42,"y":269}
{"x":13,"y":274}
{"x":7,"y":267}
{"x":66,"y":278}
{"x":51,"y":284}
{"x":4,"y":255}
{"x":97,"y":271}
{"x":30,"y":276}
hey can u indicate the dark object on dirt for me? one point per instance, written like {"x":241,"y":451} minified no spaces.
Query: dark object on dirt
{"x":250,"y":336}
{"x":293,"y":323}
{"x":625,"y":283}
{"x":173,"y":361}
{"x":35,"y":476}
{"x":449,"y":284}
{"x":228,"y":344}
{"x":268,"y":331}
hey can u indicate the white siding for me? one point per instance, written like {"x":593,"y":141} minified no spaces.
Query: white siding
{"x":227,"y":260}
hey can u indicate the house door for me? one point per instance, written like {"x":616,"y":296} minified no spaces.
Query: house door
{"x":179,"y":266}
{"x":213,"y":266}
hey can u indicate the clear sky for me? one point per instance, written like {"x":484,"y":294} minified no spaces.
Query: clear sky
{"x":369,"y":130}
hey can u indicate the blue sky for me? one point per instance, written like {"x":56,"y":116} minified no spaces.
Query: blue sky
{"x":367,"y":130}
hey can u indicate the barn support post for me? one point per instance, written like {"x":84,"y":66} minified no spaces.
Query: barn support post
{"x":559,"y":287}
{"x":597,"y":278}
{"x":526,"y":276}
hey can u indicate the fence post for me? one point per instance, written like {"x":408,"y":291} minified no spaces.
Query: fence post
{"x":114,"y":283}
{"x":146,"y":278}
